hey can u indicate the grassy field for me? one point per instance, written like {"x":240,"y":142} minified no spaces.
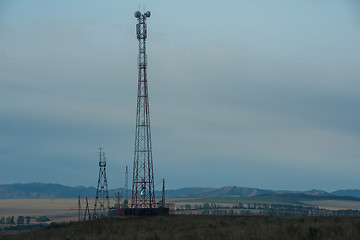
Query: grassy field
{"x":59,"y":210}
{"x":335,"y":204}
{"x":65,"y":209}
{"x":202,"y":227}
{"x":180,"y":226}
{"x":273,"y":199}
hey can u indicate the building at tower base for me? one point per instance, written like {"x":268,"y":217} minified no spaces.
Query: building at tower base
{"x":118,"y":211}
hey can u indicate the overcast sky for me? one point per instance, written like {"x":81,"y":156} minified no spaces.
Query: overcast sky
{"x":248,"y":93}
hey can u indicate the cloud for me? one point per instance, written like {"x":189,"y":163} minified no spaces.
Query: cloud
{"x":268,"y":94}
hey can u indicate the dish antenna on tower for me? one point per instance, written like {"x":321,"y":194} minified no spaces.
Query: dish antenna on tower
{"x":138,"y":14}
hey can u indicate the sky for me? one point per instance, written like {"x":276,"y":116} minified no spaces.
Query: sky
{"x":247,"y":93}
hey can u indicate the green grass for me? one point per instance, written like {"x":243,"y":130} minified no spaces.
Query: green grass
{"x":202,"y":227}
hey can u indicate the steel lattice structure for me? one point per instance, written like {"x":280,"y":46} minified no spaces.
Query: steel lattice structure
{"x":102,"y":202}
{"x":143,"y":193}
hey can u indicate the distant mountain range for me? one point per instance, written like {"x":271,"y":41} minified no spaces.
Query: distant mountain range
{"x":228,"y":191}
{"x":233,"y":191}
{"x":44,"y":190}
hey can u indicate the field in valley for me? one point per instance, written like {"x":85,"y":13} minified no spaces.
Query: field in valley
{"x":335,"y":204}
{"x":230,"y":201}
{"x":66,"y":209}
{"x":58,"y":209}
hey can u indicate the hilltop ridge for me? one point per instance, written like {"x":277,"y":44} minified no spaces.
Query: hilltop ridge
{"x":47,"y":190}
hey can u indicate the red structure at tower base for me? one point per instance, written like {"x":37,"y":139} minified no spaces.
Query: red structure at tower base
{"x":115,"y":212}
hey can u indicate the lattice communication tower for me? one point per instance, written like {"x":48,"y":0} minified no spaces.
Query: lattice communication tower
{"x":102,"y":201}
{"x":143,"y":193}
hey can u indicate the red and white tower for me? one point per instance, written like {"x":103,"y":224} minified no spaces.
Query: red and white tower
{"x":143,"y":193}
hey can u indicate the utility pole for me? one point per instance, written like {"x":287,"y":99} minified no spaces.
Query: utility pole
{"x":163,"y":194}
{"x":126,"y":200}
{"x":79,"y":209}
{"x":87,"y":210}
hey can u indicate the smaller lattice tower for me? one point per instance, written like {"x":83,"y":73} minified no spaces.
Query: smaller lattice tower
{"x":102,"y":201}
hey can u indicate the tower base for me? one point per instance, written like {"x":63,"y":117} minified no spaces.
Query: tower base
{"x":115,"y":212}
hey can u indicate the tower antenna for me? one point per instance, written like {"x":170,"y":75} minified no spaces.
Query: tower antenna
{"x":143,"y":193}
{"x":102,"y":201}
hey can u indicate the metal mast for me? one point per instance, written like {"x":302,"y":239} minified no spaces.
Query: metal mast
{"x":126,"y":200}
{"x":79,"y":209}
{"x":162,"y":202}
{"x":102,"y":202}
{"x":87,"y":211}
{"x":143,"y":193}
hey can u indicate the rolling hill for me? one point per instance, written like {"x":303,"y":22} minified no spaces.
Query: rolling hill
{"x":228,"y":191}
{"x":45,"y":190}
{"x":349,"y":192}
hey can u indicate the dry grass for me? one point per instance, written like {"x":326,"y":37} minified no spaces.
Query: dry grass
{"x":336,"y":204}
{"x":203,"y":227}
{"x":65,"y":209}
{"x":58,"y":209}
